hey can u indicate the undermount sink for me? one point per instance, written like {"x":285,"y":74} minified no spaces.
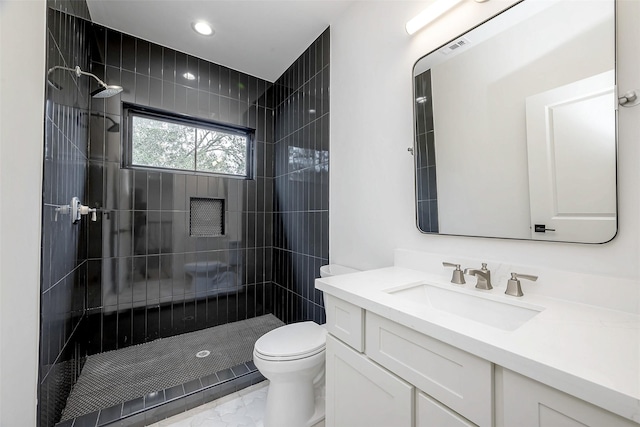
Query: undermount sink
{"x":462,"y":303}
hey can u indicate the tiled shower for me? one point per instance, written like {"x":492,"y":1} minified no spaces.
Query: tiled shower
{"x":121,"y":281}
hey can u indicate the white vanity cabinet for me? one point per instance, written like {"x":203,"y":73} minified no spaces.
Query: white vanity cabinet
{"x":528,"y":403}
{"x":380,"y":373}
{"x":402,"y":377}
{"x":360,"y":393}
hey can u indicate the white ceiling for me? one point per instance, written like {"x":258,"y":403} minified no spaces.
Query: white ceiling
{"x":258,"y":37}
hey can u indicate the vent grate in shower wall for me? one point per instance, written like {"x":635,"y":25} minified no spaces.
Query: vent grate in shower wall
{"x":206,"y":217}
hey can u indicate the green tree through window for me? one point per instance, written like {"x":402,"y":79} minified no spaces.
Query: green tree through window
{"x":168,"y":144}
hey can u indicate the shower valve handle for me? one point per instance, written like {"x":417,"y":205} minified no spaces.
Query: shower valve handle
{"x":86,"y":210}
{"x":78,"y":209}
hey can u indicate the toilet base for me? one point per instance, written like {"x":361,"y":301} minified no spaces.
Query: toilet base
{"x":315,"y":420}
{"x":319,"y":413}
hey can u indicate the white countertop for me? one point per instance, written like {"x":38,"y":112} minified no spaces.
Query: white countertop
{"x":589,"y":352}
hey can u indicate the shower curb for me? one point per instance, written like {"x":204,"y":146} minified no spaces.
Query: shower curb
{"x":171,"y":401}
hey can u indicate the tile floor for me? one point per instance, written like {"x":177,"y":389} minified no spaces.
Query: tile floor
{"x":107,"y":380}
{"x":242,"y":409}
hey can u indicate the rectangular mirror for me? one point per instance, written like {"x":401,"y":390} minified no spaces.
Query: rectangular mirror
{"x":515,"y":126}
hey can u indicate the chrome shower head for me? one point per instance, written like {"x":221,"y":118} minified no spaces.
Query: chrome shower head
{"x":115,"y":126}
{"x":106,"y":91}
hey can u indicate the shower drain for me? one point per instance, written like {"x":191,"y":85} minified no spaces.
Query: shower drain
{"x":203,"y":353}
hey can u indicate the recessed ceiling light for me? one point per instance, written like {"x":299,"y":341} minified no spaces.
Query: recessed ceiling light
{"x":203,"y":28}
{"x":189,"y":76}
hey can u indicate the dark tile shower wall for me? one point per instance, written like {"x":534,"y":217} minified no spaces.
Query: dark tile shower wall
{"x":64,"y":253}
{"x":301,"y":215}
{"x":427,"y":194}
{"x":139,"y":248}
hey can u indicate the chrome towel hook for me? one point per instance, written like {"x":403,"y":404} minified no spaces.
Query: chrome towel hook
{"x":630,"y":98}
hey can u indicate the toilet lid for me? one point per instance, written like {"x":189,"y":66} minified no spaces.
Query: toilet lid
{"x":296,"y":340}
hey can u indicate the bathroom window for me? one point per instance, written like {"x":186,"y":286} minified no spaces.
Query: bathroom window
{"x":161,"y":140}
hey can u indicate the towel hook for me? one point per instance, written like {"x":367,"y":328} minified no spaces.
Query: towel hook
{"x":629,"y":99}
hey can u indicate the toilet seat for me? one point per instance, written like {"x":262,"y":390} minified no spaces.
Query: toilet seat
{"x":291,"y":342}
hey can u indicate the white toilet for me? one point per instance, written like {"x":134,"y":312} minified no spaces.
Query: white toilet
{"x":292,"y":358}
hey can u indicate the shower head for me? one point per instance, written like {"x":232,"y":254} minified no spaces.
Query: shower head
{"x":104,"y":91}
{"x":115,"y":126}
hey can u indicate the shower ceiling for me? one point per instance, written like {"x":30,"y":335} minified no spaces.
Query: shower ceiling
{"x":258,"y":37}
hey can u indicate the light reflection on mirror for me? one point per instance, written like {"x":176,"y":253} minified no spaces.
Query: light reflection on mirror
{"x":505,"y":123}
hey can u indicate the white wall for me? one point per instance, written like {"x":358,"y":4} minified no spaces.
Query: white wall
{"x":22,"y":62}
{"x":372,"y":192}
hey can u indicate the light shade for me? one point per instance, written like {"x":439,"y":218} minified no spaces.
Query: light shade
{"x":430,"y":14}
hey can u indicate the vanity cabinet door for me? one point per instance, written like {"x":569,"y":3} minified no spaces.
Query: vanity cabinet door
{"x":460,"y":380}
{"x":431,"y":413}
{"x":528,"y":403}
{"x":362,"y":394}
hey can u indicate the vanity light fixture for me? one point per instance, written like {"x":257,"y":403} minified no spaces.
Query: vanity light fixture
{"x":202,"y":28}
{"x":431,"y":13}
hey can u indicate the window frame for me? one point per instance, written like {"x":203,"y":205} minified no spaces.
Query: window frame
{"x":129,"y":111}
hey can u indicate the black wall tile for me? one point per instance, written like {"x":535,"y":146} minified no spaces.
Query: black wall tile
{"x":142,"y":57}
{"x":299,"y":164}
{"x":64,"y":245}
{"x":156,"y":63}
{"x":114,"y":48}
{"x":426,"y":188}
{"x":168,"y":65}
{"x":128,"y":53}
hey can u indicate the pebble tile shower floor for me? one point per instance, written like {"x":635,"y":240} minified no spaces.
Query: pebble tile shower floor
{"x":121,"y":375}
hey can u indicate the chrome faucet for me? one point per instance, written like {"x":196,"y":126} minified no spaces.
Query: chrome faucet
{"x":483,"y":275}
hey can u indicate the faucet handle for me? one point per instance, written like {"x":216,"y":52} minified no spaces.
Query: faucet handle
{"x":524,"y":276}
{"x":458,"y":276}
{"x":513,"y":284}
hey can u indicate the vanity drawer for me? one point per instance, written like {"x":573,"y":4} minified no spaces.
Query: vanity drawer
{"x":431,"y":413}
{"x":345,"y":321}
{"x":459,"y":380}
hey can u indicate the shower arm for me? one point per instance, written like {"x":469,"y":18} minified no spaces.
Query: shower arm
{"x":78,"y":72}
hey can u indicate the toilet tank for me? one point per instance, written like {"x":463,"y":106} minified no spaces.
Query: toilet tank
{"x":335,"y":270}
